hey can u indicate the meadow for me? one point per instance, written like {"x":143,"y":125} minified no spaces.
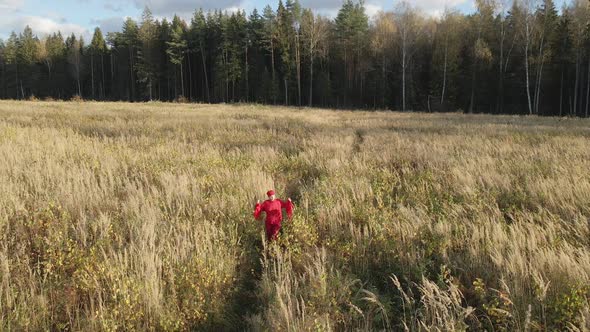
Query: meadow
{"x":122,"y":217}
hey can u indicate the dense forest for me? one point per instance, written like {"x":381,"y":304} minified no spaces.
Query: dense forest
{"x":516,"y":57}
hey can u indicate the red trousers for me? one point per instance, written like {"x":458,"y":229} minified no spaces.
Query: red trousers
{"x":272,"y":231}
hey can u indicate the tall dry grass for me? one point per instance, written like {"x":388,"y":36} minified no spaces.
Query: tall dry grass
{"x":124,"y":217}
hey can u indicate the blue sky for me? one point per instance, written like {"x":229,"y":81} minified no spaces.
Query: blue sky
{"x":82,"y":16}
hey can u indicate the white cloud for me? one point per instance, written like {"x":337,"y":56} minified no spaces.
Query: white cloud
{"x":42,"y":26}
{"x":437,"y":7}
{"x":111,"y":24}
{"x":171,"y":7}
{"x":233,"y":9}
{"x":11,"y":5}
{"x":372,"y":9}
{"x":12,"y":19}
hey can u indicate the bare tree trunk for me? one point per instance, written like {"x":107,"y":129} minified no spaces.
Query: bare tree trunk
{"x":286,"y":93}
{"x":500,"y":100}
{"x":78,"y":80}
{"x":571,"y":104}
{"x":587,"y":88}
{"x":205,"y":73}
{"x":5,"y":95}
{"x":404,"y":73}
{"x":16,"y":82}
{"x":538,"y":90}
{"x":102,"y":75}
{"x":383,"y":80}
{"x":132,"y":81}
{"x":298,"y":60}
{"x":190,"y":77}
{"x":48,"y":63}
{"x":182,"y":79}
{"x":509,"y":53}
{"x":272,"y":63}
{"x":247,"y":78}
{"x":311,"y":76}
{"x":92,"y":73}
{"x":347,"y":67}
{"x":576,"y":85}
{"x":113,"y":74}
{"x":360,"y":72}
{"x":226,"y":61}
{"x":175,"y":82}
{"x":539,"y":74}
{"x":473,"y":77}
{"x":526,"y":61}
{"x":150,"y":85}
{"x":561,"y":94}
{"x":442,"y":95}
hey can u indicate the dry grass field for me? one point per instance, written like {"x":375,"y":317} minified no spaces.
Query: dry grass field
{"x":121,"y":217}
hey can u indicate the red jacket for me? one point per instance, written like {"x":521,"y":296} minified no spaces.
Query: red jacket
{"x":273,"y":209}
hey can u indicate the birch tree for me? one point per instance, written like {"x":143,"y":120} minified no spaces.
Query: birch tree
{"x":447,"y":50}
{"x":579,"y":26}
{"x":382,"y":42}
{"x":546,"y":25}
{"x":408,"y":26}
{"x":315,"y":31}
{"x":527,"y":21}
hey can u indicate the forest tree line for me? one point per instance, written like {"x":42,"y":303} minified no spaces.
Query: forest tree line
{"x":515,"y":57}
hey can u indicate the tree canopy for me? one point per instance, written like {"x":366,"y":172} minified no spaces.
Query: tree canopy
{"x":517,"y":57}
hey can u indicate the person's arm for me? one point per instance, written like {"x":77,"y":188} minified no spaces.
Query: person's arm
{"x":257,"y":210}
{"x":288,"y":206}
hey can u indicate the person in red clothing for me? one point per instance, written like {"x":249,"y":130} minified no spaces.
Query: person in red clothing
{"x":273,"y":208}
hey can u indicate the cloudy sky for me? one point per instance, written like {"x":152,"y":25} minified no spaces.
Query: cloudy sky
{"x":82,"y":16}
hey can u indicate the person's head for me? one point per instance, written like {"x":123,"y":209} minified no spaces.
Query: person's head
{"x":271,"y":195}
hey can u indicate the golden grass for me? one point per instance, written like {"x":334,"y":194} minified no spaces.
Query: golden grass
{"x":119,"y":216}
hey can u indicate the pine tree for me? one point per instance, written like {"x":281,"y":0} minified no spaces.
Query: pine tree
{"x":129,"y":39}
{"x":294,"y":9}
{"x":480,"y":50}
{"x":3,"y":71}
{"x":12,"y":59}
{"x":166,"y":69}
{"x":561,"y":43}
{"x":27,"y":53}
{"x":177,"y":48}
{"x":270,"y":36}
{"x":147,"y":51}
{"x":284,"y":40}
{"x":97,"y":48}
{"x":351,"y":30}
{"x":197,"y":43}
